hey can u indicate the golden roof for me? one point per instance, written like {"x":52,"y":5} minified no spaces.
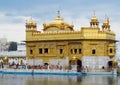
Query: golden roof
{"x":59,"y":23}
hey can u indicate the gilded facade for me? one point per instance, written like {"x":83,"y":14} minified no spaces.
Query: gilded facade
{"x":59,"y":40}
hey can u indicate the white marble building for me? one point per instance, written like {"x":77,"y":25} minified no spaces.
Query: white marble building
{"x":15,"y":56}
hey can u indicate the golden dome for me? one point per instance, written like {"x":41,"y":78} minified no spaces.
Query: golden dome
{"x":59,"y":23}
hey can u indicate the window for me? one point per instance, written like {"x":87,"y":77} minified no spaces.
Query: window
{"x":31,"y":51}
{"x":46,"y":50}
{"x":71,"y":51}
{"x":80,"y":51}
{"x":40,"y":51}
{"x":93,"y":51}
{"x":111,"y":50}
{"x":75,"y":51}
{"x":61,"y":51}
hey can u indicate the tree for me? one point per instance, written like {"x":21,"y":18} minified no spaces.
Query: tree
{"x":13,"y":46}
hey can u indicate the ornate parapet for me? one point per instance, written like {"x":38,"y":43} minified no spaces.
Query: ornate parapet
{"x":58,"y":35}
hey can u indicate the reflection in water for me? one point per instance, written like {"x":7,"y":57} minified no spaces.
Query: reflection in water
{"x":58,"y":80}
{"x":110,"y":81}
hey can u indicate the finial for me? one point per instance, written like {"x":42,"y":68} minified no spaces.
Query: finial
{"x":58,"y":14}
{"x":94,"y":12}
{"x":105,"y":16}
{"x":31,"y":18}
{"x":108,"y":19}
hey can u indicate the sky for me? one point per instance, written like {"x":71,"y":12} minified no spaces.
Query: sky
{"x":14,"y":13}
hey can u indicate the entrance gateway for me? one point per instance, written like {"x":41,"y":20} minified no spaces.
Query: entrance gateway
{"x":76,"y":64}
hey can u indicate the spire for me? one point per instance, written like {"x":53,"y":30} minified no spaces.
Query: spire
{"x":94,"y":16}
{"x":108,"y":20}
{"x":31,"y":18}
{"x":58,"y":14}
{"x":31,"y":21}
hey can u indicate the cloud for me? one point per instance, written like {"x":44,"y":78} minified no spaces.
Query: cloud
{"x":79,"y":13}
{"x":115,"y":28}
{"x":13,"y":32}
{"x":12,"y":26}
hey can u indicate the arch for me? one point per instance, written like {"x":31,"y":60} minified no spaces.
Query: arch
{"x":76,"y":62}
{"x":79,"y":65}
{"x":110,"y":64}
{"x":46,"y":64}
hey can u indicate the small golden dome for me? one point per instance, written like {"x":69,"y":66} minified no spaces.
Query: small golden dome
{"x":106,"y":25}
{"x":106,"y":22}
{"x":94,"y":19}
{"x":5,"y":59}
{"x":30,"y":23}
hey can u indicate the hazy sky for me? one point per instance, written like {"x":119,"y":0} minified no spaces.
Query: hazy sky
{"x":14,"y":13}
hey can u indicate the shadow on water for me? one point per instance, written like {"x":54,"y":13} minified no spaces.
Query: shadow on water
{"x":58,"y":80}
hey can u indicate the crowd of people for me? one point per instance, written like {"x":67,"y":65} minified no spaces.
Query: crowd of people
{"x":52,"y":67}
{"x":40,"y":67}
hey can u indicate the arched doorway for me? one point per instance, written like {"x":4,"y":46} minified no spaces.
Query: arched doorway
{"x":110,"y":64}
{"x":79,"y":65}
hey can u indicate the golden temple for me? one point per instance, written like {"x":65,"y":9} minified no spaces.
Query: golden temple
{"x":59,"y":40}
